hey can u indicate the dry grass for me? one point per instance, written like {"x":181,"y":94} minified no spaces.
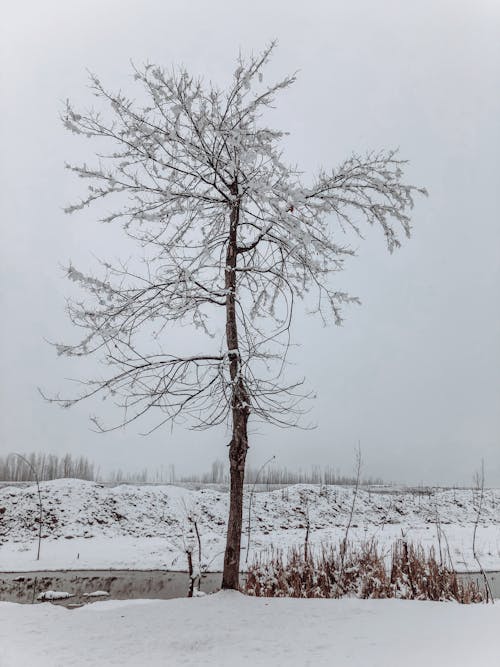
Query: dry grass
{"x":360,"y":571}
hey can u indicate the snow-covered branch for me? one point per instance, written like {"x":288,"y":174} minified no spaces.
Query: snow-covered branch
{"x":226,"y":229}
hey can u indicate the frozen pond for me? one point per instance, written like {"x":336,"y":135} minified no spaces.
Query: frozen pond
{"x":493,"y":580}
{"x":25,"y":587}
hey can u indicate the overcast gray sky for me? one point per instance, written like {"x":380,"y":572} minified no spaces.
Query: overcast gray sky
{"x":414,"y":373}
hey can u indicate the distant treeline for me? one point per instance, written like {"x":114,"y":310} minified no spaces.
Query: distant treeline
{"x":50,"y":466}
{"x":218,"y":474}
{"x":13,"y":468}
{"x":316,"y":475}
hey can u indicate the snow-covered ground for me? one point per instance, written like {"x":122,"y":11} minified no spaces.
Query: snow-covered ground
{"x":230,"y":629}
{"x":90,"y":526}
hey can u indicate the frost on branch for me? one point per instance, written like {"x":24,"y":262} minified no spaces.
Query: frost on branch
{"x":224,"y":224}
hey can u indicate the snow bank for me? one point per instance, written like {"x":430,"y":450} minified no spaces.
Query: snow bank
{"x":87,"y":525}
{"x":228,"y":629}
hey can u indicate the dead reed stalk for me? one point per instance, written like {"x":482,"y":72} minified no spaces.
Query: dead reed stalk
{"x":360,"y":571}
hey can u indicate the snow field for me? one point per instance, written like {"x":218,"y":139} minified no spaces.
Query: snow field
{"x":228,"y":629}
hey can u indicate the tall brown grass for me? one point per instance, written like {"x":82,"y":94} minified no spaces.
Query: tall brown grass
{"x":362,"y":571}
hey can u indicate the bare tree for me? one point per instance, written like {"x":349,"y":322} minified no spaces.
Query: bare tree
{"x":479,"y":487}
{"x":34,"y":472}
{"x":344,"y":543}
{"x":250,"y":501}
{"x":229,"y":234}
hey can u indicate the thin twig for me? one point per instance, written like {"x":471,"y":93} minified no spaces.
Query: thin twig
{"x":250,"y":503}
{"x":480,"y":489}
{"x":40,"y":506}
{"x":343,"y":545}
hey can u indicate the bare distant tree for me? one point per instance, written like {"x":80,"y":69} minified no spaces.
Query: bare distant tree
{"x":227,"y":233}
{"x":479,"y":488}
{"x":35,"y":476}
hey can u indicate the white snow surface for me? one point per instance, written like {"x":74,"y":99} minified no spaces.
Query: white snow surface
{"x":90,"y":526}
{"x":228,"y":629}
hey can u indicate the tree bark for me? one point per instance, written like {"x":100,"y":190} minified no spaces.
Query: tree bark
{"x":237,"y":456}
{"x":239,"y":412}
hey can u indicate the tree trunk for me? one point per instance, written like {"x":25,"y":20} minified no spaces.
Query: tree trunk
{"x":240,"y":410}
{"x":237,"y":456}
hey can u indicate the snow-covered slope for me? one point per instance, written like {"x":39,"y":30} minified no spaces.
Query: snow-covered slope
{"x":88,"y":525}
